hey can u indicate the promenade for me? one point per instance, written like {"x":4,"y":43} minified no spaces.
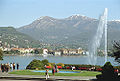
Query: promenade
{"x":13,"y":77}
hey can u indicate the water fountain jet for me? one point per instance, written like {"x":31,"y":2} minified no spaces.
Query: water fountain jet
{"x":102,"y":29}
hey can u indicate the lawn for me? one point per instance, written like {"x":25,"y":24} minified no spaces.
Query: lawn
{"x":82,"y":73}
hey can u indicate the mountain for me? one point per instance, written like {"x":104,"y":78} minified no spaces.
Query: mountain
{"x":76,"y":30}
{"x":10,"y":37}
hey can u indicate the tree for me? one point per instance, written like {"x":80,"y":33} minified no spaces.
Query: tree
{"x":45,"y":62}
{"x":108,"y":73}
{"x":116,"y":51}
{"x":1,"y":54}
{"x":35,"y":64}
{"x":38,"y":51}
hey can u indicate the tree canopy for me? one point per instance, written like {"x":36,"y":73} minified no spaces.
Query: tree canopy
{"x":108,"y":73}
{"x":116,"y":50}
{"x":1,"y":55}
{"x":37,"y":64}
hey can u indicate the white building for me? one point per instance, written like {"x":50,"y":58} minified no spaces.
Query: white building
{"x":57,"y":53}
{"x":45,"y":51}
{"x":6,"y":49}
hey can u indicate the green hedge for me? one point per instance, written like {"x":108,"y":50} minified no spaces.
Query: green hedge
{"x":87,"y":66}
{"x":37,"y":64}
{"x":82,"y":65}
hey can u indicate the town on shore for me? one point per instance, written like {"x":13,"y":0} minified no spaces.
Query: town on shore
{"x":43,"y":51}
{"x":16,"y":50}
{"x":8,"y":50}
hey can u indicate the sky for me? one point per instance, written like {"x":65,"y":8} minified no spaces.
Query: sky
{"x":18,"y":13}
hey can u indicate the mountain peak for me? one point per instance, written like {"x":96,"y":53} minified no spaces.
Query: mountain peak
{"x":70,"y":31}
{"x":45,"y":17}
{"x":77,"y":16}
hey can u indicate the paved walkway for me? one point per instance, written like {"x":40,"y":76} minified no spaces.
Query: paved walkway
{"x":12,"y":77}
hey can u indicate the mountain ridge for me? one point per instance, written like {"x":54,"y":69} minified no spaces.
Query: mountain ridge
{"x":13,"y":38}
{"x":75,"y":30}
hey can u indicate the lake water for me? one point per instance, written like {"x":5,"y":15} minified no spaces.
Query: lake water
{"x":25,"y":60}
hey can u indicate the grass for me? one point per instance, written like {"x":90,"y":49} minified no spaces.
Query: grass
{"x":82,"y":73}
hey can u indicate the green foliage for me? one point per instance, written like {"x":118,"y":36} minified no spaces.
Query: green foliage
{"x":60,"y":64}
{"x":1,"y":55}
{"x":107,"y":69}
{"x":37,"y":64}
{"x":38,"y":51}
{"x":108,"y":73}
{"x":51,"y":64}
{"x":116,"y":51}
{"x":79,"y":65}
{"x":11,"y":36}
{"x":117,"y":67}
{"x":45,"y":62}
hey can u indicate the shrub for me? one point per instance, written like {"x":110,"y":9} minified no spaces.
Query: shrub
{"x":49,"y":64}
{"x":80,"y":66}
{"x":35,"y":64}
{"x":60,"y":64}
{"x":52,"y":64}
{"x":45,"y":62}
{"x":108,"y":73}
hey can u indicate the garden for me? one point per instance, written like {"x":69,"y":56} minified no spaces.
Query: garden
{"x":36,"y":66}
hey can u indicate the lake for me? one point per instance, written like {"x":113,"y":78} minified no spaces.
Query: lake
{"x":25,"y":60}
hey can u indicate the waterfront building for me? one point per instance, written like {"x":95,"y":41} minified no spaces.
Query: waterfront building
{"x":45,"y":51}
{"x":23,"y":50}
{"x":80,"y":51}
{"x":57,"y":53}
{"x":64,"y":51}
{"x":6,"y":49}
{"x":72,"y":51}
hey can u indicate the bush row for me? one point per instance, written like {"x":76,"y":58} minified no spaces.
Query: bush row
{"x":37,"y":64}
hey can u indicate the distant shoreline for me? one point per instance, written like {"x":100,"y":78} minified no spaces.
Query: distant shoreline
{"x":38,"y":55}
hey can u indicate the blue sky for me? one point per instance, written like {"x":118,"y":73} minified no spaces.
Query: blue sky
{"x":18,"y":13}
